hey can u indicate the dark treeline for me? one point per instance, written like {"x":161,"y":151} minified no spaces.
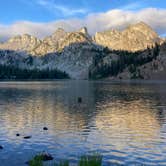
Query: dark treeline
{"x":124,"y":59}
{"x":10,"y":72}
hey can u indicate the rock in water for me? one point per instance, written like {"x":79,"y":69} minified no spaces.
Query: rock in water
{"x":79,"y":100}
{"x":1,"y":147}
{"x":46,"y":156}
{"x":45,"y":128}
{"x":27,"y":137}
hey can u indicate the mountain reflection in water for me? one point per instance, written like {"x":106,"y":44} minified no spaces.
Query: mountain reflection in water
{"x":125,"y":122}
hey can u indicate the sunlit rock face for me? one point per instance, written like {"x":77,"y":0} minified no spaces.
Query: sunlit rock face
{"x":21,"y":43}
{"x":56,"y":37}
{"x":136,"y":37}
{"x":51,"y":44}
{"x":60,"y":39}
{"x":54,"y":43}
{"x":72,"y":38}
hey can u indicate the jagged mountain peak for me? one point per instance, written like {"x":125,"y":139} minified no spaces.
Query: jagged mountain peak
{"x":84,"y":30}
{"x":141,"y":23}
{"x":135,"y":37}
{"x":143,"y":28}
{"x":23,"y":42}
{"x":109,"y":32}
{"x":24,"y":37}
{"x":27,"y":35}
{"x":59,"y":31}
{"x":74,"y":52}
{"x":55,"y":37}
{"x":61,"y":39}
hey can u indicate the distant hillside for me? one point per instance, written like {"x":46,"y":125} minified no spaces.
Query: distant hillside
{"x":146,"y":64}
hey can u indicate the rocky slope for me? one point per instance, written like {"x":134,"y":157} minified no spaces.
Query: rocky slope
{"x":21,"y":43}
{"x":149,"y":64}
{"x":72,"y":52}
{"x":136,"y":37}
{"x":54,"y":43}
{"x":74,"y":60}
{"x":156,"y":69}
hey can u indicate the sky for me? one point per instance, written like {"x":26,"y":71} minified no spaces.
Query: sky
{"x":42,"y":17}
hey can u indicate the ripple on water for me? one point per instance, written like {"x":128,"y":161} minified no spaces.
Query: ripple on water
{"x":126,"y":123}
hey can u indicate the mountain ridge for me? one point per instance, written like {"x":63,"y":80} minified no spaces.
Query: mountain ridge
{"x":134,"y":38}
{"x":81,"y":57}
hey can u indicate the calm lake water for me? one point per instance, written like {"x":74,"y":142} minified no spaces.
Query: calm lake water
{"x":125,"y":122}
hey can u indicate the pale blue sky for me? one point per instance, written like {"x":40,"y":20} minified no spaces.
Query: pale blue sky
{"x":42,"y":17}
{"x":51,"y":10}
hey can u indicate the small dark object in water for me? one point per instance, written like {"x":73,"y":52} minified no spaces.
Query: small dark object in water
{"x":27,"y":137}
{"x":27,"y":162}
{"x":17,"y":134}
{"x":46,"y":156}
{"x":1,"y":147}
{"x":45,"y":128}
{"x":79,"y":100}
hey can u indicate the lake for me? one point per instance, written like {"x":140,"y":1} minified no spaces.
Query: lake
{"x":123,"y":121}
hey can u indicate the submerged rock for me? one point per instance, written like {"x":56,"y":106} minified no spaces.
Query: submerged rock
{"x":80,"y":100}
{"x":45,"y":128}
{"x":1,"y":147}
{"x":27,"y":137}
{"x":46,"y":156}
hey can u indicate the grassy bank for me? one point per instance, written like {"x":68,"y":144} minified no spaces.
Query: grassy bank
{"x":86,"y":160}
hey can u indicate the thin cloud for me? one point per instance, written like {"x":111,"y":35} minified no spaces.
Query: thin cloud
{"x":66,"y":11}
{"x":95,"y":22}
{"x":132,"y":6}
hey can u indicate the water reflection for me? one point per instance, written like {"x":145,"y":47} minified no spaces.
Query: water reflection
{"x":132,"y":122}
{"x":125,"y":122}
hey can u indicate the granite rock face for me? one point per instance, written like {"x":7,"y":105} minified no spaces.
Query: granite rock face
{"x":134,"y":38}
{"x":54,"y":43}
{"x":21,"y":43}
